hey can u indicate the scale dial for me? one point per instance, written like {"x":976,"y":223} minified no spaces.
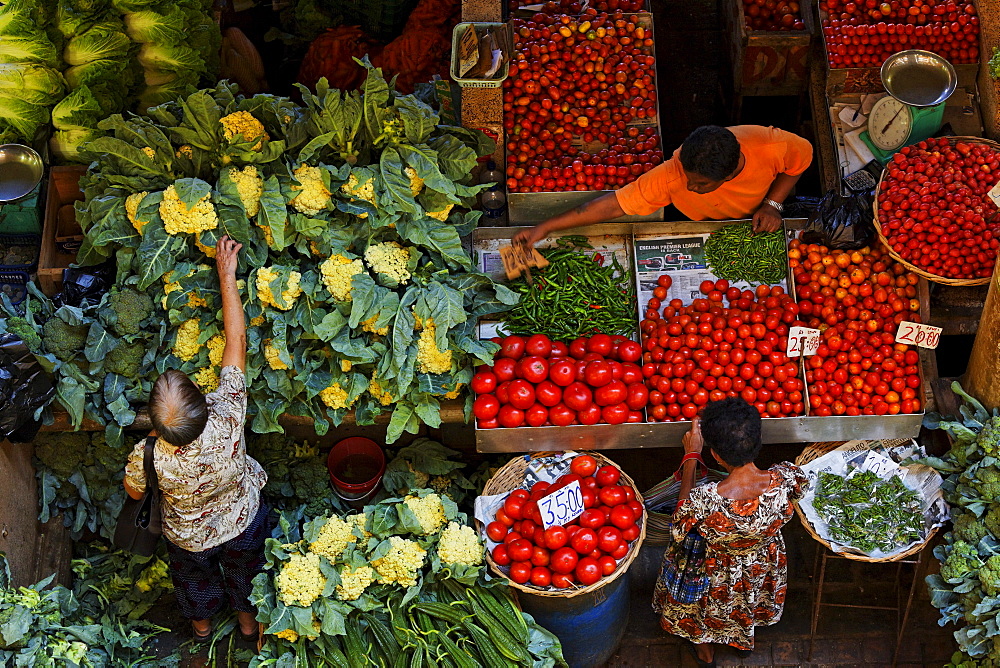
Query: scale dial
{"x":889,"y":123}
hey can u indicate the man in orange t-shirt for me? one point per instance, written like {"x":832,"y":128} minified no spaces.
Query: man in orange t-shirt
{"x":717,"y":174}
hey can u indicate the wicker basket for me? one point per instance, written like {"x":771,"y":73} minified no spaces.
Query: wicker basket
{"x":510,"y":477}
{"x":943,"y":280}
{"x":817,"y":450}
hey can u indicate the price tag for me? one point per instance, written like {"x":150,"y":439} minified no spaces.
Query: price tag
{"x":918,"y":334}
{"x":562,"y":506}
{"x":994,"y":194}
{"x":800,"y":338}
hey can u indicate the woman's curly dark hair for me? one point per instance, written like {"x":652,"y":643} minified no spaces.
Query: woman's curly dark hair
{"x":731,"y":427}
{"x":711,"y":151}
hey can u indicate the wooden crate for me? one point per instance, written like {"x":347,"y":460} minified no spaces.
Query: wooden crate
{"x":63,"y":189}
{"x":768,"y":62}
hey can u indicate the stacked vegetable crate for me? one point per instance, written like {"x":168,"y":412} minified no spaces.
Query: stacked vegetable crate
{"x":805,"y":428}
{"x":63,"y":190}
{"x":767,"y":62}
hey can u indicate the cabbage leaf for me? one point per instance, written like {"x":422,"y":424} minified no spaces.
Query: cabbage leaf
{"x":99,"y":43}
{"x":21,"y":115}
{"x":78,"y":110}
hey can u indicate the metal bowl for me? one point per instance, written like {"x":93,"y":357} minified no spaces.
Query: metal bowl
{"x":21,"y":170}
{"x":919,"y":78}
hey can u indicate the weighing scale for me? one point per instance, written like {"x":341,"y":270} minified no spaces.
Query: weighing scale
{"x":918,"y":83}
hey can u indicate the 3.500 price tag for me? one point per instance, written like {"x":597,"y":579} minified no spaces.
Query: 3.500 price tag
{"x":562,"y":506}
{"x":918,"y":334}
{"x":802,"y":338}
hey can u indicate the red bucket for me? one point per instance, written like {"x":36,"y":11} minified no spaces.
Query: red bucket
{"x":356,"y":465}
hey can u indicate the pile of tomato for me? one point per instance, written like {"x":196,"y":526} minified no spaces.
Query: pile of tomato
{"x":934,"y":209}
{"x":705,"y":352}
{"x":537,"y":382}
{"x":858,"y":298}
{"x":577,"y":87}
{"x":863,"y":33}
{"x":576,"y":6}
{"x":581,"y":552}
{"x":773,"y":15}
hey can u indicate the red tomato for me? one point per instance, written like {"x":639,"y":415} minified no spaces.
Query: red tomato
{"x":562,"y":580}
{"x":513,"y":507}
{"x":578,"y":348}
{"x":548,"y":393}
{"x":533,"y":369}
{"x":600,"y":344}
{"x":559,"y":349}
{"x":491,"y":423}
{"x":607,"y":475}
{"x":556,"y":537}
{"x":589,"y":496}
{"x":561,"y":416}
{"x":636,"y":507}
{"x":608,"y":539}
{"x":562,"y":373}
{"x":564,"y":559}
{"x":485,"y":407}
{"x":539,"y":489}
{"x":520,"y":550}
{"x":638,"y":396}
{"x":583,"y":541}
{"x":512,"y":347}
{"x":589,"y":415}
{"x":607,"y":564}
{"x":503,"y":396}
{"x":504,"y":518}
{"x":591,"y":518}
{"x":615,"y":414}
{"x":500,"y":555}
{"x":484,"y":382}
{"x":536,"y":415}
{"x":538,"y":344}
{"x":622,"y":516}
{"x":631,"y":373}
{"x":583,"y":465}
{"x":521,"y":393}
{"x":597,"y":373}
{"x":631,"y":533}
{"x":590,"y":482}
{"x":540,"y":576}
{"x":664,"y":281}
{"x":510,"y":417}
{"x":520,"y":571}
{"x":611,"y":495}
{"x":588,"y":571}
{"x":511,"y":537}
{"x":503,"y":369}
{"x":629,"y":351}
{"x":578,"y":396}
{"x":497,"y":531}
{"x":527,"y":529}
{"x":614,"y":392}
{"x":621,"y":551}
{"x":540,"y":555}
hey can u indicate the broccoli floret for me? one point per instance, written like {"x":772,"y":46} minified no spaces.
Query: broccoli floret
{"x":128,"y":308}
{"x":63,"y":453}
{"x":962,"y":560}
{"x":989,"y":575}
{"x":23,"y":330}
{"x":987,"y":483}
{"x":989,"y":438}
{"x":968,"y":527}
{"x":992,"y":521}
{"x":124,"y":359}
{"x":63,"y":340}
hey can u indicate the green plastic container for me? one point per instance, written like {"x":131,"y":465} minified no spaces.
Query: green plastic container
{"x":23,"y":216}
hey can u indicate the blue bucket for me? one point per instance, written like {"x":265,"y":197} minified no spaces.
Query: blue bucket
{"x":589,"y":626}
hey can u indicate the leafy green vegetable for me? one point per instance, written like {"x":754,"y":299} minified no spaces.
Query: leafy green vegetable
{"x":102,"y":42}
{"x":994,"y":64}
{"x":35,"y":83}
{"x":426,"y":463}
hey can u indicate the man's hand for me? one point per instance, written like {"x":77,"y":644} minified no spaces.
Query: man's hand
{"x":692,"y":439}
{"x":226,"y":256}
{"x":529,"y":237}
{"x":767,"y":219}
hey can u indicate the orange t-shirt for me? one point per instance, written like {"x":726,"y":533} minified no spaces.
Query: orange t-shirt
{"x":768,"y":152}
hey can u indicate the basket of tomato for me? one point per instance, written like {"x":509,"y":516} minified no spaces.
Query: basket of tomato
{"x":571,"y":559}
{"x":933,"y":213}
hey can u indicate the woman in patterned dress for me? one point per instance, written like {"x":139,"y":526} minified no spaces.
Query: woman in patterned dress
{"x":212,"y":515}
{"x":741,"y":519}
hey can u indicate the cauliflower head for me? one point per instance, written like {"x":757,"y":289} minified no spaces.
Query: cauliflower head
{"x":429,"y":512}
{"x":335,"y":397}
{"x":353,"y":582}
{"x":989,"y":438}
{"x":216,"y":346}
{"x":429,"y":358}
{"x":300,"y":581}
{"x":186,"y":344}
{"x":402,"y":563}
{"x":130,"y":308}
{"x":968,"y":527}
{"x":389,"y":258}
{"x":273,"y":356}
{"x":376,"y":390}
{"x":441,"y":214}
{"x":132,"y":203}
{"x":333,"y":539}
{"x":365,"y":192}
{"x":416,"y":183}
{"x":250,"y":185}
{"x":314,"y":196}
{"x":459,"y":544}
{"x":265,"y":275}
{"x":207,"y":379}
{"x":243,"y":123}
{"x":337,"y":272}
{"x":987,"y":483}
{"x":179,"y":219}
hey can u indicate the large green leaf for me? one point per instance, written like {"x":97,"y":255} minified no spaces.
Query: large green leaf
{"x":419,"y":118}
{"x":396,"y":182}
{"x":157,"y":254}
{"x":455,"y":158}
{"x":273,"y":214}
{"x":99,"y":343}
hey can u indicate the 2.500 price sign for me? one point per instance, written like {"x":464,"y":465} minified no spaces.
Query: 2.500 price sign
{"x":562,"y":506}
{"x":918,"y":334}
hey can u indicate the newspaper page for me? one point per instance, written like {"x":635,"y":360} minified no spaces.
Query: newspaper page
{"x":883,"y":457}
{"x":683,"y":259}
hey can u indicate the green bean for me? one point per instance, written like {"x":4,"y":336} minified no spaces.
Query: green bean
{"x":735,"y":253}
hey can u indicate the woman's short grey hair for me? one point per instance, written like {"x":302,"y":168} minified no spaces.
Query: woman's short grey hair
{"x":177,"y":408}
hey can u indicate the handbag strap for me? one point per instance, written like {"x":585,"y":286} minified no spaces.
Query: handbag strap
{"x":152,"y":482}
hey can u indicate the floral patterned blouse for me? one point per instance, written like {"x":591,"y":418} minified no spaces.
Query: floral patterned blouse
{"x":744,"y":557}
{"x":210,"y":488}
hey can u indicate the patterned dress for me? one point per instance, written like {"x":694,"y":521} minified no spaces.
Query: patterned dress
{"x":744,"y":557}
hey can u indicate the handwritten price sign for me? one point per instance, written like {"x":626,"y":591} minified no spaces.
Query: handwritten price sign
{"x":562,"y":506}
{"x":802,"y":338}
{"x":918,"y":334}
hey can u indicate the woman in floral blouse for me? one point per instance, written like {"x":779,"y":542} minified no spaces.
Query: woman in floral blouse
{"x":213,"y":518}
{"x":741,"y":519}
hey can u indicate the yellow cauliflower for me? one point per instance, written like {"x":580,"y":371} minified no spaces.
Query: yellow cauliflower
{"x":429,"y":358}
{"x":389,"y":258}
{"x":441,"y":214}
{"x":460,"y":545}
{"x":335,"y":397}
{"x":365,"y":192}
{"x":369,"y":326}
{"x":314,"y":249}
{"x":209,"y":251}
{"x":264,"y":277}
{"x":300,"y":581}
{"x":345,"y":365}
{"x":250,"y":186}
{"x":354,"y":582}
{"x":268,"y":235}
{"x":216,"y":346}
{"x":207,"y":379}
{"x":257,"y":321}
{"x":333,"y":539}
{"x":429,"y":511}
{"x":337,"y":272}
{"x":287,"y":634}
{"x":178,"y":218}
{"x":402,"y":563}
{"x":314,"y":196}
{"x":150,"y":153}
{"x":185,"y":150}
{"x":132,"y":203}
{"x":416,"y":183}
{"x":243,"y":123}
{"x":375,"y":389}
{"x":186,"y":345}
{"x":359,"y":521}
{"x":454,"y":393}
{"x":273,"y":356}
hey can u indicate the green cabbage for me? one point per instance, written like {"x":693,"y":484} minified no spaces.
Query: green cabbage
{"x":94,"y":72}
{"x":155,"y":28}
{"x":21,"y":115}
{"x":67,"y":144}
{"x":37,"y":84}
{"x":36,"y":49}
{"x":16,"y":25}
{"x":181,"y":59}
{"x":154,"y":96}
{"x":99,"y":43}
{"x":78,"y":110}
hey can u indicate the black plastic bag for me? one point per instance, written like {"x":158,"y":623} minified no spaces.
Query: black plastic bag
{"x":85,"y":283}
{"x":800,"y":207}
{"x":24,"y":388}
{"x":842,"y":222}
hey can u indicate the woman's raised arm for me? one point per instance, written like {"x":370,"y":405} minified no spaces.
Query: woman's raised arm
{"x":233,"y":320}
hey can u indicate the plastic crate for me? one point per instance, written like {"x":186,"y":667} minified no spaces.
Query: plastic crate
{"x":14,"y":284}
{"x":382,"y":19}
{"x":495,"y":82}
{"x":7,"y":240}
{"x":23,"y":216}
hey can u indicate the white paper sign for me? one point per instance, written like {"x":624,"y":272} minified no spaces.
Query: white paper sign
{"x":918,"y":334}
{"x":562,"y":506}
{"x":994,"y":194}
{"x":802,"y":337}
